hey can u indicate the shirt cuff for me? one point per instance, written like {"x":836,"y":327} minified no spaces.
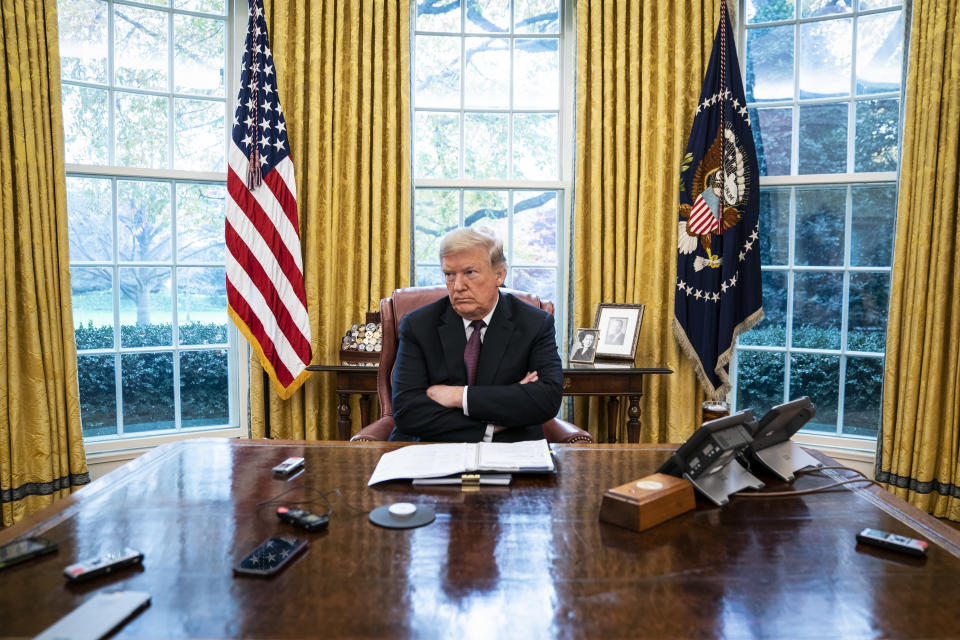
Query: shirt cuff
{"x":488,"y":434}
{"x":463,"y":401}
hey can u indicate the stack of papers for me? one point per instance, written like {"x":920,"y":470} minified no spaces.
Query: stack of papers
{"x":440,"y":460}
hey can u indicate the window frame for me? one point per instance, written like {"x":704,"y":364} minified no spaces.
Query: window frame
{"x":238,"y":377}
{"x":850,"y":445}
{"x":565,"y":163}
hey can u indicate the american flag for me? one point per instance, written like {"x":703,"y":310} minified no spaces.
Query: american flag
{"x":265,"y":291}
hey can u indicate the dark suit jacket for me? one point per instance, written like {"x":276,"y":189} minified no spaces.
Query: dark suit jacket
{"x":520,"y":338}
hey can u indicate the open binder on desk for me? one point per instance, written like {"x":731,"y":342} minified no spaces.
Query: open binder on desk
{"x":453,"y":459}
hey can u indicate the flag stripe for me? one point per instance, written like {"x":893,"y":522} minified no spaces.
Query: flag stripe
{"x":258,"y":277}
{"x":268,"y":331}
{"x":702,"y":218}
{"x":239,"y":305}
{"x":255,"y":228}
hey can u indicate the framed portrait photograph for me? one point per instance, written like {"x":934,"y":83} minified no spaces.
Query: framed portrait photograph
{"x":619,"y":327}
{"x":584,"y":345}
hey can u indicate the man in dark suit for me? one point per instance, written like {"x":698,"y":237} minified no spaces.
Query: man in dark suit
{"x":518,"y":381}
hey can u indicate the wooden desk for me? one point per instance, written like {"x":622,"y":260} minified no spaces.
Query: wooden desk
{"x":530,"y":560}
{"x":578,"y":380}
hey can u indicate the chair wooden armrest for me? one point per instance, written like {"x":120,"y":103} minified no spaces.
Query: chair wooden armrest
{"x":378,"y":431}
{"x":558,"y":430}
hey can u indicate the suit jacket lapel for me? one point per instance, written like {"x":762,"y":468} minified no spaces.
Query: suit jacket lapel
{"x":453,"y":338}
{"x":495,"y":341}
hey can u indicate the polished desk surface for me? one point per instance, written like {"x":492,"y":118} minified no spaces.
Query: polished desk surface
{"x":526,"y":561}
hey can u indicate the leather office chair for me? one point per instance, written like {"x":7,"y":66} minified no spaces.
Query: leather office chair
{"x":392,"y":310}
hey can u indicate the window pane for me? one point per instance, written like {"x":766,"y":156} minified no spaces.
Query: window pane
{"x":203,"y":388}
{"x":485,"y":142}
{"x":535,"y":228}
{"x":774,"y":226}
{"x":204,"y":6}
{"x":147,"y":386}
{"x":825,"y":50}
{"x":84,"y":133}
{"x":772,"y":136}
{"x":769,"y":10}
{"x":491,"y":16}
{"x":867,"y":323}
{"x":542,"y":282}
{"x":489,"y":209}
{"x":428,"y":276}
{"x":92,"y":289}
{"x":202,"y":305}
{"x":437,"y":71}
{"x":879,"y":52}
{"x":438,"y":16}
{"x":198,"y":55}
{"x":145,"y":311}
{"x":536,"y":16}
{"x":535,"y":139}
{"x":861,"y":397}
{"x":83,"y":40}
{"x":770,"y":63}
{"x":436,"y":212}
{"x":759,"y":380}
{"x":536,"y":73}
{"x":98,"y":395}
{"x":812,"y":8}
{"x":437,"y":145}
{"x":199,"y":137}
{"x":90,"y":215}
{"x":200,"y":214}
{"x":874,"y":217}
{"x":866,"y":5}
{"x":486,"y":80}
{"x":819,"y":226}
{"x":141,"y":123}
{"x":817,"y":376}
{"x":877,"y":137}
{"x":771,"y":332}
{"x":143,"y":212}
{"x":823,"y":130}
{"x":817,"y":302}
{"x":140,"y":47}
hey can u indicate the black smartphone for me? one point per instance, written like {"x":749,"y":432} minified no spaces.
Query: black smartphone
{"x":20,"y":550}
{"x":270,"y":556}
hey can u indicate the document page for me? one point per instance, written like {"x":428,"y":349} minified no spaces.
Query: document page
{"x":532,"y":455}
{"x":424,"y":461}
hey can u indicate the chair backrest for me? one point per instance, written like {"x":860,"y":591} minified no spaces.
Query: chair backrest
{"x":402,"y":302}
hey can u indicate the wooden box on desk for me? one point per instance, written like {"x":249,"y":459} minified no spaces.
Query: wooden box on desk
{"x":647,"y":502}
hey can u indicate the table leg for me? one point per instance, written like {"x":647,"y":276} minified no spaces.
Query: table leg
{"x":633,"y":422}
{"x":613,"y":411}
{"x":365,"y":409}
{"x":343,"y":413}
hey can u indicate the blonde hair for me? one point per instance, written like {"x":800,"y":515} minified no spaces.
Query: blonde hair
{"x":467,"y":238}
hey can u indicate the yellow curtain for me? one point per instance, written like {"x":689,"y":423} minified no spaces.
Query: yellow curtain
{"x":41,"y":441}
{"x":920,"y":443}
{"x":343,"y":78}
{"x":640,"y":66}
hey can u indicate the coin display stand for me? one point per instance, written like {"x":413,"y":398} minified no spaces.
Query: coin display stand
{"x":363,"y":341}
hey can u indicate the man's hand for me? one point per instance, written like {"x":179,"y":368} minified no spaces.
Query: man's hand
{"x":530,"y":377}
{"x":446,"y":395}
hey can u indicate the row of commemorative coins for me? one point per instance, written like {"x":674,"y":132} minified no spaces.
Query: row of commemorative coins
{"x":363,"y":337}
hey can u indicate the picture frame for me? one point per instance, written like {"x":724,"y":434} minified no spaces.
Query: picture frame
{"x":619,"y":329}
{"x":584,"y":345}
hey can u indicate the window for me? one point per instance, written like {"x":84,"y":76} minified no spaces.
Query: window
{"x":144,"y":107}
{"x":823,"y":82}
{"x":490,"y":125}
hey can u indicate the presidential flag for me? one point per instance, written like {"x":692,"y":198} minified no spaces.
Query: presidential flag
{"x":718,"y":293}
{"x":265,"y":291}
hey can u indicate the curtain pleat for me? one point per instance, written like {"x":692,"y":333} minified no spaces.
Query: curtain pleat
{"x":41,"y":440}
{"x":343,"y":79}
{"x":920,"y":442}
{"x":640,"y":66}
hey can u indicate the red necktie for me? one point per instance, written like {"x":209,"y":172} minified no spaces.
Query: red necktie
{"x":471,"y":354}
